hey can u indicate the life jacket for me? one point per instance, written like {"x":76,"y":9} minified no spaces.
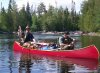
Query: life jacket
{"x":67,"y":40}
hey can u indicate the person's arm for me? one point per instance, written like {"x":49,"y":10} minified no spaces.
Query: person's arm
{"x":61,"y":41}
{"x":34,"y":40}
{"x":73,"y":41}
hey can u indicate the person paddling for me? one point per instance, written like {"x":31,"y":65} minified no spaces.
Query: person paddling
{"x":29,"y":38}
{"x":20,"y":34}
{"x":19,"y":31}
{"x":66,"y":42}
{"x":28,"y":35}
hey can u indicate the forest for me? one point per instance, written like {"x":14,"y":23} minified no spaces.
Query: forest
{"x":52,"y":19}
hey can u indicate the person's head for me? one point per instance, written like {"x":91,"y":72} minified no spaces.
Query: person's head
{"x":19,"y":27}
{"x":27,"y":28}
{"x":66,"y":34}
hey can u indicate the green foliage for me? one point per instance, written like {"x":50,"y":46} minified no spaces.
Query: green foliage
{"x":41,"y":9}
{"x":53,"y":19}
{"x":36,"y":23}
{"x":3,"y":18}
{"x":90,"y":17}
{"x":28,"y":15}
{"x":22,"y":18}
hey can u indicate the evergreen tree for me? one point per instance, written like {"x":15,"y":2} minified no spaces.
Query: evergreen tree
{"x":15,"y":15}
{"x":3,"y":20}
{"x":41,"y":9}
{"x":36,"y":24}
{"x":10,"y":17}
{"x":23,"y":18}
{"x":28,"y":15}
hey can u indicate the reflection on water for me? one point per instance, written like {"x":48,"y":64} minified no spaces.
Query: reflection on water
{"x":25,"y":63}
{"x":40,"y":64}
{"x":11,"y":62}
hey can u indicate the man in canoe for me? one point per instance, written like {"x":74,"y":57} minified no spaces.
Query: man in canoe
{"x":66,"y":42}
{"x":29,"y":38}
{"x":28,"y":35}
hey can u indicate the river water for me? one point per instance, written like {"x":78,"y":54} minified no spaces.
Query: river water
{"x":12,"y":62}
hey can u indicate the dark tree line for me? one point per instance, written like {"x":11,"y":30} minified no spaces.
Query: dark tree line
{"x":39,"y":19}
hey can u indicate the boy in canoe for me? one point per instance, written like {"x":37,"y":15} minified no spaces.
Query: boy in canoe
{"x":28,"y":35}
{"x":66,"y":42}
{"x":28,"y":38}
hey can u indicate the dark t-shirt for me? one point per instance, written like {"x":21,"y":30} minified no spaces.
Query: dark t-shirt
{"x":29,"y":37}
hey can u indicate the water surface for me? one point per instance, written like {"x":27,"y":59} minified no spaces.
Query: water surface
{"x":12,"y":62}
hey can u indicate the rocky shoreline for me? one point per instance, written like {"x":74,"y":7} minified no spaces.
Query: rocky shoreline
{"x":92,"y":34}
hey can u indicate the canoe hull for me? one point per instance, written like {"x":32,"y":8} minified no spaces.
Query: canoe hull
{"x":90,"y":52}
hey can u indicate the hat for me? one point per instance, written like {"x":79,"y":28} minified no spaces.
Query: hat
{"x":67,"y":33}
{"x":27,"y":27}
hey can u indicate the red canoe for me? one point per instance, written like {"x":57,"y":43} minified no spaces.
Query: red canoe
{"x":89,"y":52}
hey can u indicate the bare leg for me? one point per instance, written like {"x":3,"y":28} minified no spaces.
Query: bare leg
{"x":68,"y":47}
